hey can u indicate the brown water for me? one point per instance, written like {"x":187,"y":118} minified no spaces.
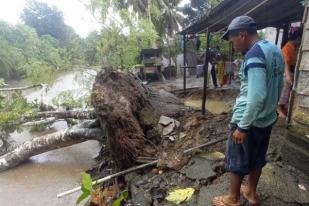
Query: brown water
{"x":213,"y":106}
{"x":38,"y":181}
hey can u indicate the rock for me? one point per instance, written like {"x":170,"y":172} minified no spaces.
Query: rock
{"x":182,"y":135}
{"x":158,"y":194}
{"x":177,"y":123}
{"x":172,"y":138}
{"x":139,"y":194}
{"x":168,"y":129}
{"x":141,"y":182}
{"x":198,"y":168}
{"x":172,"y":159}
{"x":169,"y":97}
{"x":165,"y":120}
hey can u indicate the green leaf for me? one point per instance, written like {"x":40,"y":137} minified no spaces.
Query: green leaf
{"x":86,"y":182}
{"x":86,"y":187}
{"x":83,"y":196}
{"x":123,"y":196}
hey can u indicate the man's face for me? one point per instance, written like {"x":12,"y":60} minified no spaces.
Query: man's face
{"x":239,"y":41}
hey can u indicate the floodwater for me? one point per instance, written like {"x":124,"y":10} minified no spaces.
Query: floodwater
{"x":213,"y":106}
{"x":38,"y":181}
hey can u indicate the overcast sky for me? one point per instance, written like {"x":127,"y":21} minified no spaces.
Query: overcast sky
{"x":74,"y":12}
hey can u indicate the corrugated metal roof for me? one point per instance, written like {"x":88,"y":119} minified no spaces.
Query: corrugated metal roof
{"x":266,"y":13}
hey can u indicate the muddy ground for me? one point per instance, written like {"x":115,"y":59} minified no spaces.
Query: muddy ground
{"x":203,"y":170}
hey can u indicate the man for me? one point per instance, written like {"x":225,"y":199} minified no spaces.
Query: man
{"x":290,"y":53}
{"x":254,"y":113}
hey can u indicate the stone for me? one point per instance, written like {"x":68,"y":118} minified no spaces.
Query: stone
{"x":198,"y":168}
{"x":168,"y":129}
{"x":169,"y":97}
{"x":182,"y":135}
{"x":172,"y":138}
{"x":177,"y":123}
{"x":165,"y":120}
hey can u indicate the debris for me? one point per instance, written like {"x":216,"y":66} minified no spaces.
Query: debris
{"x":165,"y":121}
{"x":198,"y":168}
{"x":123,"y":196}
{"x":177,"y":123}
{"x":103,"y":196}
{"x":172,"y":138}
{"x":104,"y":179}
{"x":302,"y":187}
{"x":168,"y":129}
{"x":182,"y":135}
{"x":180,"y":195}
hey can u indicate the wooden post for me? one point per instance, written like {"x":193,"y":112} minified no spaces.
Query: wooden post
{"x":184,"y":62}
{"x":277,"y":36}
{"x":285,"y":37}
{"x":206,"y":73}
{"x":230,"y":62}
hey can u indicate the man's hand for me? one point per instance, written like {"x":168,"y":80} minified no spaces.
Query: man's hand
{"x":239,"y":137}
{"x":289,"y":79}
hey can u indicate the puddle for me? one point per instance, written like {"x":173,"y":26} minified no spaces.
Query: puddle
{"x":213,"y":106}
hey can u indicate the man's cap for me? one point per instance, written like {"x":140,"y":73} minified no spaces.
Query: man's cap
{"x":240,"y":22}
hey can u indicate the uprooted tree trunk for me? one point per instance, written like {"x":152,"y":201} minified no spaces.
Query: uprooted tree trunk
{"x":88,"y":130}
{"x":126,"y":118}
{"x":75,"y":114}
{"x":123,"y":108}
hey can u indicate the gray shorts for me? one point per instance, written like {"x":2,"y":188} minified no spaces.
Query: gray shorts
{"x":250,"y":155}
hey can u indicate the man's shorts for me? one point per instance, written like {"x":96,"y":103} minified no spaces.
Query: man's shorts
{"x":251,"y":154}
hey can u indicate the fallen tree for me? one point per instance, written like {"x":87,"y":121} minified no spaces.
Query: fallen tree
{"x":22,"y":88}
{"x":88,"y":130}
{"x":75,"y":114}
{"x":123,"y":108}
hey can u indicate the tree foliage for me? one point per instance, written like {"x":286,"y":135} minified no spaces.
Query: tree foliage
{"x":197,"y":8}
{"x":121,"y":47}
{"x":46,"y":20}
{"x":11,"y":110}
{"x":44,"y":46}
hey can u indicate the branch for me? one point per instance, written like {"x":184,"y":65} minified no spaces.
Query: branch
{"x":21,"y":88}
{"x":74,"y":114}
{"x":77,"y":134}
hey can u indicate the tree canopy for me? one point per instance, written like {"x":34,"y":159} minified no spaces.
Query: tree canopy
{"x":45,"y":20}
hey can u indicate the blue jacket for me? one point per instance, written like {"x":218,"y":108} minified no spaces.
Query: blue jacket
{"x":261,"y":77}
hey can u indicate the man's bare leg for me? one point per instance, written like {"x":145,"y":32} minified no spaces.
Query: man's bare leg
{"x":249,"y":192}
{"x":234,"y":194}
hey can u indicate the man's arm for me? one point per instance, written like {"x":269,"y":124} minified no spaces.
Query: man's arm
{"x":257,"y":87}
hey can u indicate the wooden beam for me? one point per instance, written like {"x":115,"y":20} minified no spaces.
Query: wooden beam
{"x":184,"y":62}
{"x":206,"y":62}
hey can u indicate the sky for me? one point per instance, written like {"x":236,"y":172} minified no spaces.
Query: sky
{"x":74,"y":12}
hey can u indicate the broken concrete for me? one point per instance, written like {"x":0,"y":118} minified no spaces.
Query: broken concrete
{"x":168,"y":129}
{"x":165,"y":121}
{"x":198,"y":168}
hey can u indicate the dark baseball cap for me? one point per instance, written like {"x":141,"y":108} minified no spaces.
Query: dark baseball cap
{"x":240,"y":22}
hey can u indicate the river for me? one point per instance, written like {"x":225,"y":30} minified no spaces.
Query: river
{"x":38,"y":181}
